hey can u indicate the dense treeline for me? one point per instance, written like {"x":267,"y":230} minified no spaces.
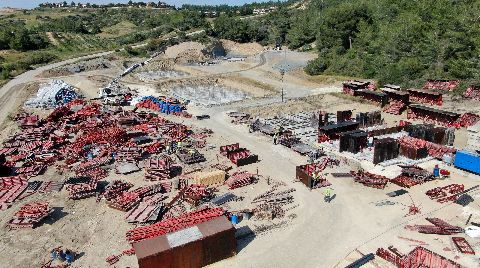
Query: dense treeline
{"x":395,"y":41}
{"x":91,"y":23}
{"x":14,"y":35}
{"x":243,"y":10}
{"x":269,"y":29}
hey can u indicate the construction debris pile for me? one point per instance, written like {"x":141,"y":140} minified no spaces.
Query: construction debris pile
{"x":270,"y":204}
{"x":53,"y":94}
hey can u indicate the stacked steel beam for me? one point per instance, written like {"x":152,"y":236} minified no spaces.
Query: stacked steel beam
{"x":240,"y":179}
{"x":30,"y":214}
{"x":369,"y":179}
{"x":173,"y":224}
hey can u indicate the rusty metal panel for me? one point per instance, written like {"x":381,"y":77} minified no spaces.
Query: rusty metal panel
{"x":193,"y":247}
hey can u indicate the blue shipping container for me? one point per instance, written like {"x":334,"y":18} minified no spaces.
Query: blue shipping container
{"x":468,"y":161}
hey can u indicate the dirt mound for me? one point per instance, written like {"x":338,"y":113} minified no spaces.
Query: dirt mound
{"x":245,"y":49}
{"x":190,"y":56}
{"x":160,"y":64}
{"x":78,"y":67}
{"x":177,"y":50}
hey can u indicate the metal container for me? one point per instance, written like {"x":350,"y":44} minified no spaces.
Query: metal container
{"x":193,"y":247}
{"x":468,"y":161}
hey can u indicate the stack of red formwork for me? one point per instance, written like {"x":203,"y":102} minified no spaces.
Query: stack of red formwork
{"x":96,"y":173}
{"x":369,"y":179}
{"x":395,"y":107}
{"x":125,"y":201}
{"x":468,"y":120}
{"x":472,"y":92}
{"x":89,"y":165}
{"x":31,"y":171}
{"x":10,"y":189}
{"x":30,"y":214}
{"x":439,"y":227}
{"x":129,"y":154}
{"x":154,"y":148}
{"x":158,"y":169}
{"x":434,"y":150}
{"x":240,"y":179}
{"x":446,"y":85}
{"x":30,"y":121}
{"x":114,"y":189}
{"x":173,"y":224}
{"x":419,"y":257}
{"x":195,"y":192}
{"x":411,"y":176}
{"x":446,"y":193}
{"x":82,"y":190}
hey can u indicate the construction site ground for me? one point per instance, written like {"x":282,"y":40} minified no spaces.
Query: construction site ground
{"x":314,"y":234}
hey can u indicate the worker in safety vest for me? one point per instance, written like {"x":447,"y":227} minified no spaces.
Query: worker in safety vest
{"x":328,"y":194}
{"x":315,"y":178}
{"x":179,"y":146}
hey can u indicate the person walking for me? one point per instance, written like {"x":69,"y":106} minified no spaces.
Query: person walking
{"x":275,"y":137}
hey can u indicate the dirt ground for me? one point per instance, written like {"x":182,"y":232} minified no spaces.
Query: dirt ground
{"x":313,"y":234}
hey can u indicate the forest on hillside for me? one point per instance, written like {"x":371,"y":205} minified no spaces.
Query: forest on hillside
{"x":394,"y":41}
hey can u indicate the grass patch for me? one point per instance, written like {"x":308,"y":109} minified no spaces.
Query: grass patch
{"x":341,"y":95}
{"x":328,"y":79}
{"x":119,"y":29}
{"x":254,"y":83}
